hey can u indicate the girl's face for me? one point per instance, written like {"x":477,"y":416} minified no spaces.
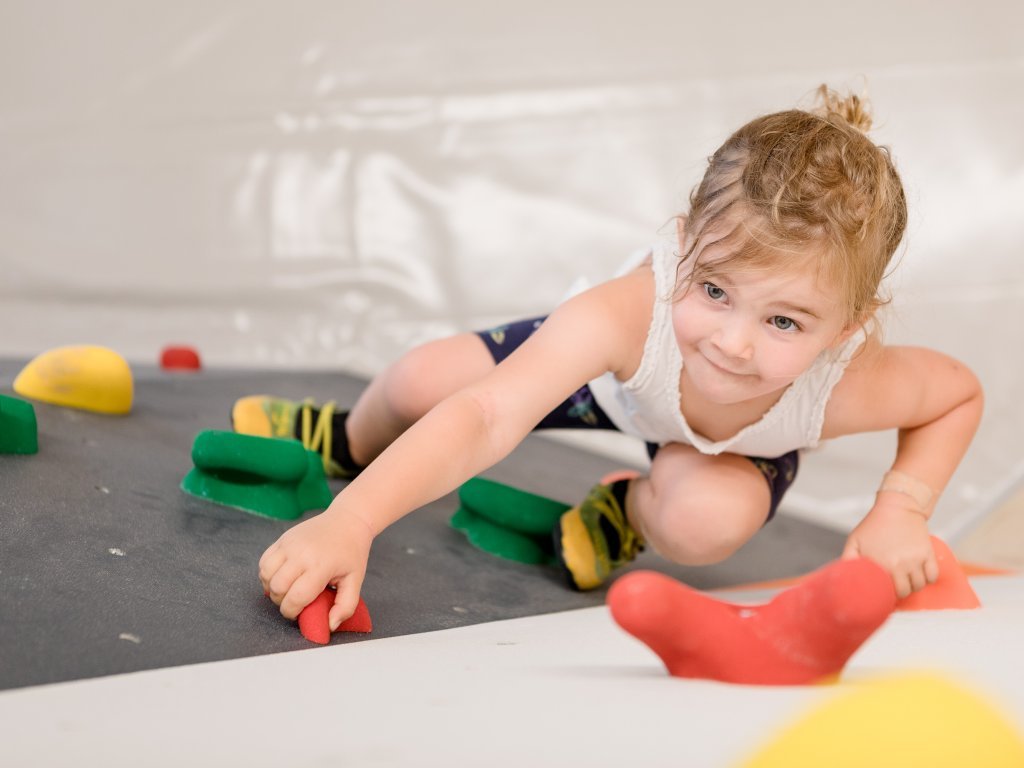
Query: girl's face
{"x":746,"y":335}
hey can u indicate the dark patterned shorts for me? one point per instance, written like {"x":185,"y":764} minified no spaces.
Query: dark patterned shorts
{"x":581,"y":411}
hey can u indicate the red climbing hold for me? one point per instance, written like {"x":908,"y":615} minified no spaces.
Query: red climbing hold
{"x":951,"y":590}
{"x":804,"y":635}
{"x":314,"y":624}
{"x":179,"y":359}
{"x":359,"y":621}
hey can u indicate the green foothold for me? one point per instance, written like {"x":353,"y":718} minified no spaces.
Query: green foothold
{"x":503,"y":542}
{"x":313,"y":491}
{"x":510,"y":507}
{"x":277,"y":460}
{"x":18,"y":430}
{"x":264,"y":475}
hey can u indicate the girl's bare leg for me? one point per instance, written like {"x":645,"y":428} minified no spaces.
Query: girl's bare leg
{"x":411,"y":386}
{"x":696,"y":509}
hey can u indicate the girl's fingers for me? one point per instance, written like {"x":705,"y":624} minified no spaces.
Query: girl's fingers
{"x":281,"y":582}
{"x":270,"y":563}
{"x":345,"y":601}
{"x":901,"y":581}
{"x":917,"y":579}
{"x":303,"y":590}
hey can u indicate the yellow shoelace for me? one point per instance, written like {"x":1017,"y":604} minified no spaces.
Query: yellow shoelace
{"x":319,"y":437}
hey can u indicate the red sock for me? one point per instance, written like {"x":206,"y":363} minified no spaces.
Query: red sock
{"x":314,"y":619}
{"x":804,"y":635}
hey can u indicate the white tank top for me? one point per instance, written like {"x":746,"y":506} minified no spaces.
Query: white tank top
{"x":647,"y":405}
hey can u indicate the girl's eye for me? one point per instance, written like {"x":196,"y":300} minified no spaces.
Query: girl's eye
{"x":784,"y":323}
{"x":714,"y":292}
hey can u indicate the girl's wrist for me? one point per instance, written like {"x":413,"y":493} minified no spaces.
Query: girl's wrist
{"x":891,"y":500}
{"x":347,"y":517}
{"x":906,"y":491}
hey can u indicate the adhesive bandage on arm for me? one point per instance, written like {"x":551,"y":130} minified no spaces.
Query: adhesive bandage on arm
{"x":900,"y":482}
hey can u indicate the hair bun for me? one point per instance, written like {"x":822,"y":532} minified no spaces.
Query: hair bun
{"x":851,"y":108}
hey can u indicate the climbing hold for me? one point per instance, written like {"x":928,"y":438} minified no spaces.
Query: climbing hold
{"x":915,"y":721}
{"x":503,"y":542}
{"x":951,"y":590}
{"x":18,"y":432}
{"x":314,"y":619}
{"x":506,"y":521}
{"x":509,"y":507}
{"x":265,"y":475}
{"x":179,"y":359}
{"x":804,"y":635}
{"x":87,"y":377}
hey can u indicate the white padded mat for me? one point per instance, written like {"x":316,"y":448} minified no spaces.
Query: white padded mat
{"x":557,"y":690}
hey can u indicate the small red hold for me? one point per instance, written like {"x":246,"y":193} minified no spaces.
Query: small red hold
{"x":179,"y":359}
{"x":359,"y":621}
{"x":314,"y":619}
{"x":952,"y":590}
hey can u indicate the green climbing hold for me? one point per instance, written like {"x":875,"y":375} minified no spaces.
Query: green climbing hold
{"x":264,"y":475}
{"x":503,"y":542}
{"x":510,"y":507}
{"x":281,"y":461}
{"x":508,"y":522}
{"x":18,"y":431}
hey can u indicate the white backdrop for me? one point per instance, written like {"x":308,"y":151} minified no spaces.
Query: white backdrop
{"x":326,"y":183}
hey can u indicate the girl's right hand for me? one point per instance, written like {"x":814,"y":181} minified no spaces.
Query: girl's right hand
{"x":329,"y":549}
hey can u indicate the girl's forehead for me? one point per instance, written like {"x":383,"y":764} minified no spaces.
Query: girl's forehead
{"x":786,"y":264}
{"x":752,"y":242}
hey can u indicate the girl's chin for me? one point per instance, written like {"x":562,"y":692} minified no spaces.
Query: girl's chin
{"x":720,"y":391}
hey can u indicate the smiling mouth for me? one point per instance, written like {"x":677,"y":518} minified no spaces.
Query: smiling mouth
{"x":722,"y":369}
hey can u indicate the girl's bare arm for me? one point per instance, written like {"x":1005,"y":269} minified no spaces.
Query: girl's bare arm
{"x":600,"y":330}
{"x":935,"y":404}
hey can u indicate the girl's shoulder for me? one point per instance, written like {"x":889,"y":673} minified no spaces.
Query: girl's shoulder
{"x":615,"y":315}
{"x":892,"y":387}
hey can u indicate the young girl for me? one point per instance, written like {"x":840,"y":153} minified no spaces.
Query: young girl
{"x":730,"y":348}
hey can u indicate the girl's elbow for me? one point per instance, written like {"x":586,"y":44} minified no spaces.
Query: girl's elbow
{"x":975,"y":392}
{"x":966,"y":389}
{"x":971,"y":404}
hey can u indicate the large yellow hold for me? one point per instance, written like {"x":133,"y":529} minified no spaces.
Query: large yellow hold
{"x":914,"y":721}
{"x":87,"y":377}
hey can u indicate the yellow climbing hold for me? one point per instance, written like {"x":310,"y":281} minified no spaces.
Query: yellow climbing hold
{"x":87,"y":377}
{"x":912,"y":721}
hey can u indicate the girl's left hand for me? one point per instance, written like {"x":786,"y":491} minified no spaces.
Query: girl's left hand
{"x":896,"y":537}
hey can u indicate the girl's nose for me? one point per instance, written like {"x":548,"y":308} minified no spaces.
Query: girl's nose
{"x":734,"y":340}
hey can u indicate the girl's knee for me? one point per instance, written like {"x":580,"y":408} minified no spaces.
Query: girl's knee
{"x":407,"y":385}
{"x":695,"y":528}
{"x":427,"y":374}
{"x":696,"y":539}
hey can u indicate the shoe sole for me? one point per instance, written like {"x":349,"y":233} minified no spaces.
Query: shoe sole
{"x":249,"y":418}
{"x":575,"y":553}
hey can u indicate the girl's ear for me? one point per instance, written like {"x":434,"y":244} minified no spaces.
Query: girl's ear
{"x":851,"y":328}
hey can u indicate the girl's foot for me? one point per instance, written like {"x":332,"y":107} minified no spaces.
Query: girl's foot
{"x":595,"y":538}
{"x":319,"y":429}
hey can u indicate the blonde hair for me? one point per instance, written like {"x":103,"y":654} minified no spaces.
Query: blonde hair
{"x":798,"y":183}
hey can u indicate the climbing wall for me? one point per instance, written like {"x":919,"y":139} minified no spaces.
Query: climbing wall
{"x":118,"y":569}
